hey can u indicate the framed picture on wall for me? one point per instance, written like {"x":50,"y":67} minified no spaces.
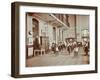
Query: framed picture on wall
{"x":53,"y":39}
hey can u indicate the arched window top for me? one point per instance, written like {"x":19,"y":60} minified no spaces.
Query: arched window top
{"x":35,"y":27}
{"x":35,"y":21}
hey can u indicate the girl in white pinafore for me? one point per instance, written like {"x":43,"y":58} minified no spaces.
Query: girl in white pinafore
{"x":76,"y":49}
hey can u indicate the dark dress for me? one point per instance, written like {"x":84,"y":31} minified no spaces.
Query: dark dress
{"x":86,"y":48}
{"x":36,"y":44}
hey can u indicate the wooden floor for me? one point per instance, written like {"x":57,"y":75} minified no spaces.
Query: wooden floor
{"x":62,"y":58}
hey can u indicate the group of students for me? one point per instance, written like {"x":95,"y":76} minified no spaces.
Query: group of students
{"x":73,"y":46}
{"x":58,"y":47}
{"x":70,"y":47}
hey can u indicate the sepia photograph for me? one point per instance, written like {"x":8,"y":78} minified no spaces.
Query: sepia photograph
{"x":52,"y":39}
{"x":57,"y":39}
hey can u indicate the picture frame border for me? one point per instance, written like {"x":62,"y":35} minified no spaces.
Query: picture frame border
{"x":15,"y":38}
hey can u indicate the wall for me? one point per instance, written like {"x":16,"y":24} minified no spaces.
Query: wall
{"x":44,"y":27}
{"x":5,"y":40}
{"x":82,"y":23}
{"x":71,"y":28}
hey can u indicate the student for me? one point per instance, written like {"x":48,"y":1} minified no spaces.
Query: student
{"x":76,"y":49}
{"x":69,"y":48}
{"x":53,"y":48}
{"x":86,"y":48}
{"x":57,"y":50}
{"x":36,"y":44}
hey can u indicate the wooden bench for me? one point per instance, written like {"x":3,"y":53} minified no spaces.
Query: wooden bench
{"x":37,"y":52}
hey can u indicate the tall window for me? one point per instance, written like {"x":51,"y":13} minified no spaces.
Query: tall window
{"x":35,"y":27}
{"x":54,"y":33}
